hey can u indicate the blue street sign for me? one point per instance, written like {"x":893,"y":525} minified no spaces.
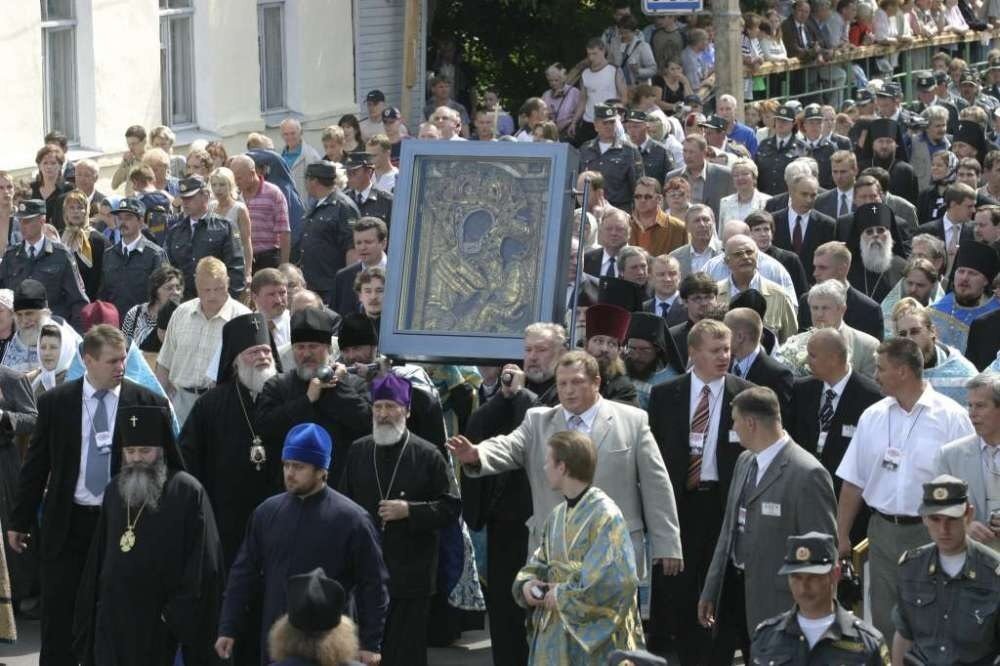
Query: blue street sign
{"x":654,"y":7}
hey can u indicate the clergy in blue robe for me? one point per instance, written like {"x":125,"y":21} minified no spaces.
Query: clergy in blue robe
{"x":310,"y":525}
{"x":976,"y":265}
{"x":580,"y":583}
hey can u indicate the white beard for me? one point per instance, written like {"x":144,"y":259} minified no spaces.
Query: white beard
{"x":254,"y":378}
{"x":387,"y":434}
{"x":29,"y":337}
{"x":876,"y":256}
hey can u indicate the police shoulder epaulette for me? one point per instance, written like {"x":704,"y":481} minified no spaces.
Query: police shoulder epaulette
{"x":770,"y":621}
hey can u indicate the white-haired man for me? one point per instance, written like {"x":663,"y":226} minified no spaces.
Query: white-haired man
{"x":297,"y":153}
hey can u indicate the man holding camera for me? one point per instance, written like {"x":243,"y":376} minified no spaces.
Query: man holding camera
{"x":316,"y":392}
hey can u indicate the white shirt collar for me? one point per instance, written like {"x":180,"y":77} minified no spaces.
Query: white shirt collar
{"x":136,"y":244}
{"x":39,"y":246}
{"x":587,"y":417}
{"x":754,"y":284}
{"x":767,"y":456}
{"x":714,"y":386}
{"x":838,"y":388}
{"x":669,"y":301}
{"x":89,"y":390}
{"x":700,"y":174}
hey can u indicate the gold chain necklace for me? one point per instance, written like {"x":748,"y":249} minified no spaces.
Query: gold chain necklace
{"x":128,"y":538}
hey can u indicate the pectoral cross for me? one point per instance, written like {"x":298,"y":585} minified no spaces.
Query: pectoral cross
{"x":255,"y":323}
{"x":134,"y":420}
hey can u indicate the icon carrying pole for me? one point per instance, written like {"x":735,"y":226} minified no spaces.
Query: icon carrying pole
{"x":579,"y":263}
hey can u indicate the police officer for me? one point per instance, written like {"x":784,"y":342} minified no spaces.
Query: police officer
{"x":778,"y":151}
{"x":818,"y":630}
{"x":818,"y":147}
{"x":948,"y":610}
{"x":199,"y":234}
{"x":50,"y":263}
{"x":129,"y":263}
{"x":327,"y":234}
{"x":617,"y":160}
{"x":370,"y":200}
{"x":656,"y":159}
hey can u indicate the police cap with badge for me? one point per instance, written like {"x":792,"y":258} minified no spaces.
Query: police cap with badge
{"x":30,"y":208}
{"x":324,"y":169}
{"x":191,"y":186}
{"x":604,"y":112}
{"x":132,"y":205}
{"x":810,"y":553}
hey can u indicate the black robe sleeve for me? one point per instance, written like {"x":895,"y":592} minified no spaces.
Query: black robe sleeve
{"x":370,"y":591}
{"x":85,"y":612}
{"x":244,"y":585}
{"x":18,"y":403}
{"x":442,"y":511}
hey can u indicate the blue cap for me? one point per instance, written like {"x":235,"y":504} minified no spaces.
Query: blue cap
{"x":308,"y":443}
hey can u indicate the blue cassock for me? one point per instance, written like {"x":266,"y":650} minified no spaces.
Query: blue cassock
{"x":288,"y":535}
{"x":952,"y":321}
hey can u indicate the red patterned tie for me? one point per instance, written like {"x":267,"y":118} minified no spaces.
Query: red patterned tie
{"x":699,"y":424}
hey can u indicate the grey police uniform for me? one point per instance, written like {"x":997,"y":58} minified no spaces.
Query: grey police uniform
{"x":378,"y":204}
{"x":950,"y":620}
{"x":779,"y":640}
{"x":621,"y":165}
{"x":213,"y":236}
{"x":326,"y":237}
{"x":54,"y":267}
{"x":771,"y":162}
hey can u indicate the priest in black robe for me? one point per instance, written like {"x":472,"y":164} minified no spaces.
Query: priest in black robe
{"x":502,"y":503}
{"x":339,"y":403}
{"x":607,"y":326}
{"x":402,"y":480}
{"x":153,"y":580}
{"x":222,"y":447}
{"x":875,"y":268}
{"x":885,"y":147}
{"x":308,"y":526}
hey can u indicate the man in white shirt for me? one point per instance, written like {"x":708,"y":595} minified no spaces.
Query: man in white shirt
{"x":890,"y":457}
{"x":769,"y":267}
{"x":703,"y":245}
{"x":612,"y":236}
{"x":380,"y":148}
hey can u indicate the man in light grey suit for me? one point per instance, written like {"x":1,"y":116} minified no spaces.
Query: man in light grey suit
{"x":704,"y":243}
{"x":779,"y":489}
{"x":709,"y":182}
{"x":630,"y":468}
{"x":976,"y":458}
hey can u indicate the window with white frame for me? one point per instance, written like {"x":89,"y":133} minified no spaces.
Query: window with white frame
{"x":59,"y":62}
{"x":177,"y":62}
{"x":271,"y":49}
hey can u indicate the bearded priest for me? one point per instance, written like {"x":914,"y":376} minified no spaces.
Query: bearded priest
{"x":153,"y":581}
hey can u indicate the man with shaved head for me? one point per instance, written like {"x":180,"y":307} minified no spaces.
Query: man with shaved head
{"x":741,"y":260}
{"x":827,"y":406}
{"x":269,"y":227}
{"x":769,"y":267}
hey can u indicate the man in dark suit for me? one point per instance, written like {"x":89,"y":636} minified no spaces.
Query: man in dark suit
{"x":778,"y":489}
{"x":752,"y":363}
{"x":803,"y":41}
{"x":761,"y":225}
{"x":699,"y":292}
{"x":800,"y":228}
{"x":832,"y":261}
{"x":370,"y":238}
{"x":700,"y":459}
{"x":953,"y":227}
{"x":709,"y":182}
{"x":839,"y":200}
{"x":612,"y":236}
{"x":984,"y":340}
{"x":665,"y":277}
{"x":826,"y":431}
{"x":70,"y":466}
{"x":361,"y":189}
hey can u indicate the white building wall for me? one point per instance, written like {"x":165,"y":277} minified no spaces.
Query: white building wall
{"x":118,"y":74}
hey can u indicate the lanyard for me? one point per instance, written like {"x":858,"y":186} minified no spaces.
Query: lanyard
{"x":906,"y":438}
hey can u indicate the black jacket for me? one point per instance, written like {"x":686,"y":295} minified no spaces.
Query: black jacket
{"x":771,"y":163}
{"x":656,"y":160}
{"x":344,"y":411}
{"x":377,"y":204}
{"x":621,"y":165}
{"x":126,"y":279}
{"x":55,"y":269}
{"x":793,"y":265}
{"x":765,"y":371}
{"x":344,"y":299}
{"x":214,"y":236}
{"x":326,"y":238}
{"x":984,"y":340}
{"x":52,"y":465}
{"x":862,"y":314}
{"x":670,"y":421}
{"x":820,"y":229}
{"x":676,"y":314}
{"x":620,"y":389}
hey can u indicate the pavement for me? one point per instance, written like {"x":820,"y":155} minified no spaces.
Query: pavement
{"x":472,"y":649}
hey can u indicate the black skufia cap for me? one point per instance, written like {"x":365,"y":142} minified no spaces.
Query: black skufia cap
{"x":238,"y":335}
{"x":621,"y":292}
{"x":315,"y":602}
{"x":356,"y":330}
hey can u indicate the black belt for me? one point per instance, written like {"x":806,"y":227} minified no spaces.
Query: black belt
{"x":900,"y":520}
{"x":196,"y":391}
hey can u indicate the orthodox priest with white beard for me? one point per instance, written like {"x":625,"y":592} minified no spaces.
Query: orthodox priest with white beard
{"x":403,"y":482}
{"x":221,"y":444}
{"x":875,"y":269}
{"x":153,"y":580}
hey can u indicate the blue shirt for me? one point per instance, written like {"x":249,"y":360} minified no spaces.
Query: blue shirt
{"x":743,"y":134}
{"x":290,"y":156}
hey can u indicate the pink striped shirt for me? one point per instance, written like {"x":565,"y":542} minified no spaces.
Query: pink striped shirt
{"x":268,"y":216}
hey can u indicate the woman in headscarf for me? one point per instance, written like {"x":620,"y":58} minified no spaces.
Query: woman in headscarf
{"x":86,"y":244}
{"x":56,"y":349}
{"x":944,"y":167}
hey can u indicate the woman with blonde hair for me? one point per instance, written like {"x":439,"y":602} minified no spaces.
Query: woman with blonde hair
{"x":315,"y":631}
{"x":223,"y":186}
{"x":163,"y":137}
{"x":85,"y":243}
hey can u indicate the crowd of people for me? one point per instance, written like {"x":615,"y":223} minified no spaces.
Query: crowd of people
{"x":787,"y":354}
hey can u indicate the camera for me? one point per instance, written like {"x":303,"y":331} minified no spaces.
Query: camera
{"x":324,"y":373}
{"x":507,"y":378}
{"x":367,"y":369}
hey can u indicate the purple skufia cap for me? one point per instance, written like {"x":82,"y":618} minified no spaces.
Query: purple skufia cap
{"x":392,"y":388}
